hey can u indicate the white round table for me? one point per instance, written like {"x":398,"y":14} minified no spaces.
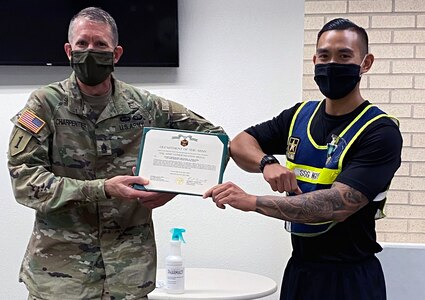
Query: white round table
{"x":205,"y":283}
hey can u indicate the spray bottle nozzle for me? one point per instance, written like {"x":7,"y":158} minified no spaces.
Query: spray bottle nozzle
{"x":177,"y":234}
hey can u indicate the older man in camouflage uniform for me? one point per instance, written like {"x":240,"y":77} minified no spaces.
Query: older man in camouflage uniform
{"x":71,"y":154}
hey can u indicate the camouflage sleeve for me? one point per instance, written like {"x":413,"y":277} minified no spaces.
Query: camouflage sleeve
{"x":179,"y":117}
{"x":33,"y":182}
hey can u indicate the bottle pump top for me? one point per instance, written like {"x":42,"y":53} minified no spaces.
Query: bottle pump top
{"x":177,"y":234}
{"x":174,"y":263}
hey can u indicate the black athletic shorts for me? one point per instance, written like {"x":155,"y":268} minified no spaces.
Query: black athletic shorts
{"x":333,"y":281}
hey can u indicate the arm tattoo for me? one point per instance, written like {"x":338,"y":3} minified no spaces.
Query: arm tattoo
{"x":334,"y":204}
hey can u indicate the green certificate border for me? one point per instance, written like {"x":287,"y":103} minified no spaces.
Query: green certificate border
{"x":224,"y":157}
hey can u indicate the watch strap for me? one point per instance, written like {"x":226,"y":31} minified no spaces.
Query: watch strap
{"x":267,"y":160}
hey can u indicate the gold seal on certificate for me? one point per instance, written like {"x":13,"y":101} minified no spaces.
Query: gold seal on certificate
{"x":180,"y":161}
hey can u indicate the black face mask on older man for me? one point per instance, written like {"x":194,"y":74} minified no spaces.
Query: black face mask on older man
{"x":92,"y":66}
{"x":335,"y":80}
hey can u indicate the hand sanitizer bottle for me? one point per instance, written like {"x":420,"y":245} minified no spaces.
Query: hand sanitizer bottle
{"x":174,"y":267}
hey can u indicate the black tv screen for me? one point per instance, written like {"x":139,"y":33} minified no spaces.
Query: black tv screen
{"x":34,"y":32}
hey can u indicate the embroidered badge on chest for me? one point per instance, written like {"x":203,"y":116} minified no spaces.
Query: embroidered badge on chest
{"x":104,"y":148}
{"x":291,"y":149}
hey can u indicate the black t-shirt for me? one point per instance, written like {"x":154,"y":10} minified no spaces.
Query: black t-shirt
{"x":368,"y":167}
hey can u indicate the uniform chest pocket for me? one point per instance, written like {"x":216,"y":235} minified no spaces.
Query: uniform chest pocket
{"x":72,"y":144}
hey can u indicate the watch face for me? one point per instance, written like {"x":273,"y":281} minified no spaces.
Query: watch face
{"x":270,"y":159}
{"x":267,"y":159}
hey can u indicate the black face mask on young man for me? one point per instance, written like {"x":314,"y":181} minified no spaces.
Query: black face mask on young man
{"x":92,"y":66}
{"x":335,"y":80}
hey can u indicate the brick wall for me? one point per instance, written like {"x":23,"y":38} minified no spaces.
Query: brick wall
{"x":396,"y":83}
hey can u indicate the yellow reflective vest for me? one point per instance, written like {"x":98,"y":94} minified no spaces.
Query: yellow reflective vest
{"x":317,"y":166}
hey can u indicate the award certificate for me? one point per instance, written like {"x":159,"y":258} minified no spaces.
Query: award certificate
{"x":179,"y":161}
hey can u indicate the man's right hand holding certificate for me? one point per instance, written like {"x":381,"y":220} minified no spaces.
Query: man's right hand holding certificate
{"x":121,"y":187}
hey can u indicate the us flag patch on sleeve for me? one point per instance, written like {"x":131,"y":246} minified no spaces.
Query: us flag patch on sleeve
{"x":30,"y":121}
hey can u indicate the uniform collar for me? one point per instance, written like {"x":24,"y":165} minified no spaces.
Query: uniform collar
{"x":117,"y":106}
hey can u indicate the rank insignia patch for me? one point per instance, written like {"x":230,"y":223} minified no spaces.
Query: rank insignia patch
{"x":30,"y":121}
{"x":292,"y":147}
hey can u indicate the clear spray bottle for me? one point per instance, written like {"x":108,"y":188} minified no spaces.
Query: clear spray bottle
{"x":174,"y":266}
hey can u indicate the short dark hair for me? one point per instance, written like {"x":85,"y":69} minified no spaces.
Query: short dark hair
{"x":95,"y":14}
{"x":345,"y":24}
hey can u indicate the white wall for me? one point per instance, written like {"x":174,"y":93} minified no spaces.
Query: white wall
{"x":240,"y":64}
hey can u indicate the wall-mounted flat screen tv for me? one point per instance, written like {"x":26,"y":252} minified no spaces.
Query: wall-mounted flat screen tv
{"x":34,"y":32}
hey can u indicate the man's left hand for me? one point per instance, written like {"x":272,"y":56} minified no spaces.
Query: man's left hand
{"x":230,"y":193}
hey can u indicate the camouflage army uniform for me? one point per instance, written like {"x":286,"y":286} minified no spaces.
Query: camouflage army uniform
{"x":83,"y":241}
